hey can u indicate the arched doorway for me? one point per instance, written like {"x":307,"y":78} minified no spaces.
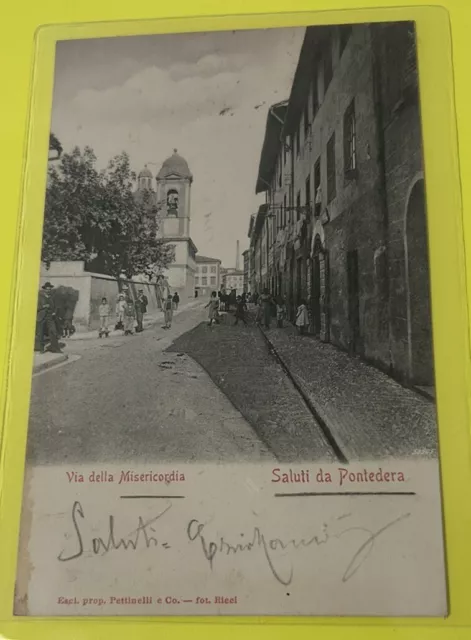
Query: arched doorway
{"x":418,"y":288}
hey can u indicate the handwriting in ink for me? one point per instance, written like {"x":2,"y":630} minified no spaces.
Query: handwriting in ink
{"x":258,"y":540}
{"x":140,"y":537}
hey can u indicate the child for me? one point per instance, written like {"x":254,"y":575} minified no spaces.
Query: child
{"x":120,"y":311}
{"x":302,"y":317}
{"x":104,"y":312}
{"x":168,"y":312}
{"x":241,"y":308}
{"x":213,"y":306}
{"x":129,"y":316}
{"x":176,"y":300}
{"x":280,"y":311}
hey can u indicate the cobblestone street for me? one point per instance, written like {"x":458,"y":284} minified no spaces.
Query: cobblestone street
{"x":369,"y":414}
{"x":365,"y":413}
{"x":222,"y":393}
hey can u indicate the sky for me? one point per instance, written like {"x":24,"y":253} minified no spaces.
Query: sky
{"x":149,"y":95}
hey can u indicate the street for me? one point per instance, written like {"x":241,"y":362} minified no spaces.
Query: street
{"x":219,"y":394}
{"x":126,"y":400}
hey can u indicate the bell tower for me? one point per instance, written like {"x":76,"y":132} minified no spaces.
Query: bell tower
{"x":173,"y":196}
{"x":174,"y":182}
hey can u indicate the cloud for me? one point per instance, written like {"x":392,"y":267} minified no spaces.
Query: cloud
{"x":177,"y":104}
{"x":210,"y":65}
{"x":215,"y":85}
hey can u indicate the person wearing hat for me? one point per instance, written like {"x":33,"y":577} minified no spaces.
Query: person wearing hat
{"x":46,"y":321}
{"x":141,"y":308}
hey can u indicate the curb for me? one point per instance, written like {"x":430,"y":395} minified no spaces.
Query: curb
{"x":327,"y":430}
{"x":43,"y":366}
{"x":90,"y":335}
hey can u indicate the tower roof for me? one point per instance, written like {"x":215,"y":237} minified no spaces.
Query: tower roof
{"x":175,"y":165}
{"x":145,"y":173}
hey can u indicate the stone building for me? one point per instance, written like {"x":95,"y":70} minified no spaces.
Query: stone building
{"x":208,"y":275}
{"x":172,"y":199}
{"x":344,"y":221}
{"x":233,"y":279}
{"x":246,"y":258}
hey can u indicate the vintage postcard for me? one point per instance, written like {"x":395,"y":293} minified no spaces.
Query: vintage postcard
{"x":233,"y":399}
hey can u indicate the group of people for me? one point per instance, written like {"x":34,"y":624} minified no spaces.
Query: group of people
{"x":267,"y":307}
{"x":53,"y":323}
{"x":129,"y":314}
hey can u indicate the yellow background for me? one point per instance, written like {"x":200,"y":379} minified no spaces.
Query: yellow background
{"x":26,"y":54}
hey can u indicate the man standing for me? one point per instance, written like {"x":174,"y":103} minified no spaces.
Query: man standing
{"x":176,"y":300}
{"x":46,"y":321}
{"x":141,"y":308}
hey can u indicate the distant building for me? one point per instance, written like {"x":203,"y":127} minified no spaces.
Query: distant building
{"x":208,"y":275}
{"x":233,"y":279}
{"x":172,"y":200}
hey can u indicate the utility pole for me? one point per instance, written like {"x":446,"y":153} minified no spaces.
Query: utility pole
{"x":237,"y":265}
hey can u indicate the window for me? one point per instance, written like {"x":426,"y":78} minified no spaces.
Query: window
{"x":331,"y":175}
{"x":172,"y":202}
{"x":204,"y":281}
{"x":345,"y":33}
{"x":205,"y":269}
{"x":308,"y":195}
{"x":284,"y":211}
{"x":213,"y":279}
{"x":328,"y":69}
{"x":197,"y":280}
{"x":349,"y":140}
{"x":317,"y":187}
{"x":298,"y":206}
{"x":213,"y":269}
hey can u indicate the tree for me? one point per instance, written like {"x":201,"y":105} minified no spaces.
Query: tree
{"x":94,"y":216}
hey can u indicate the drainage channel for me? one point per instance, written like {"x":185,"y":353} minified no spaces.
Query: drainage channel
{"x":329,"y":436}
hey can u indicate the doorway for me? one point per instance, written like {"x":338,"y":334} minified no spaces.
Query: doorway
{"x":316,"y":295}
{"x":353,"y":301}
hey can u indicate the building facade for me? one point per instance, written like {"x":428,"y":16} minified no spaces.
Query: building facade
{"x":208,"y":275}
{"x":233,"y":279}
{"x":246,"y":258}
{"x":343,"y":226}
{"x":172,"y":200}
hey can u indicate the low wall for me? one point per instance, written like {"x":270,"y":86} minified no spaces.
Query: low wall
{"x":90,"y":288}
{"x":107,"y":287}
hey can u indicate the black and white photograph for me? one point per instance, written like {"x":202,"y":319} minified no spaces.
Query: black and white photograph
{"x":234,"y":297}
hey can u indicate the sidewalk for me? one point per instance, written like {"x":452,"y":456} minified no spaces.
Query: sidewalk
{"x":369,"y":414}
{"x":149,"y":321}
{"x":43,"y":361}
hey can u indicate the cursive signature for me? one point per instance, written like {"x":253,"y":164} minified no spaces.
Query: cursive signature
{"x":259,"y":541}
{"x":140,"y":537}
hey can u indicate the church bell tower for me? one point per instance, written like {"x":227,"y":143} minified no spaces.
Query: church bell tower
{"x":174,"y":182}
{"x":173,"y":197}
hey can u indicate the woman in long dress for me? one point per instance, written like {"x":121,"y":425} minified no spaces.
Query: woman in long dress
{"x":266,"y":305}
{"x":302,"y":317}
{"x":212,"y":306}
